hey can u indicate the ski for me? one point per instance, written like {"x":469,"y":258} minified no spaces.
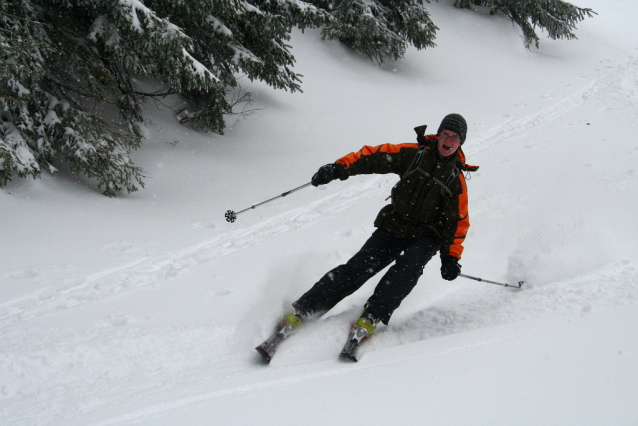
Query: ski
{"x":358,"y":332}
{"x":349,"y":351}
{"x":267,"y":349}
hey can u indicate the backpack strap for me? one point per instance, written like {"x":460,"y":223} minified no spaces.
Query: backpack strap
{"x":445,"y":189}
{"x":416,"y":161}
{"x":416,"y":167}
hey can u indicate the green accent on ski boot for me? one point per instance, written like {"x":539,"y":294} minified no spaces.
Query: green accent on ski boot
{"x":293,"y":320}
{"x":366,"y":325}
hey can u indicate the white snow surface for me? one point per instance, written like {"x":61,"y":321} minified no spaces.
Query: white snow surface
{"x":145,"y":309}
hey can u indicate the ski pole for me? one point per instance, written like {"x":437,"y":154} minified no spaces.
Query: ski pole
{"x":231,"y":216}
{"x":520,"y":283}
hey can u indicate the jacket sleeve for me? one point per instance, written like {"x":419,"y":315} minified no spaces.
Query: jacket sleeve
{"x":381,"y":159}
{"x":455,"y":221}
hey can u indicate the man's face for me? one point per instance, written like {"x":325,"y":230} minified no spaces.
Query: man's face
{"x":449,"y":142}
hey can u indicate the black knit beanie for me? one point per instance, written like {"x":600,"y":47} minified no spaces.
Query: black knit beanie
{"x":454,"y":123}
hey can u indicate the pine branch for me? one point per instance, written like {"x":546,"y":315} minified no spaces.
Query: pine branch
{"x":557,"y":17}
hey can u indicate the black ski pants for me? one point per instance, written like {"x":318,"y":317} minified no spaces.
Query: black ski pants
{"x":381,"y":249}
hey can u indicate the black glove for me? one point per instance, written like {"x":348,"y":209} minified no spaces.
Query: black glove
{"x":450,"y":268}
{"x":326,"y":174}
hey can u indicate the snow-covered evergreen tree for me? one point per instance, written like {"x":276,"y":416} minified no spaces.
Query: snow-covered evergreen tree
{"x":557,"y":17}
{"x":21,"y":61}
{"x":64,"y":62}
{"x":383,"y":29}
{"x":380,"y":29}
{"x":231,"y":37}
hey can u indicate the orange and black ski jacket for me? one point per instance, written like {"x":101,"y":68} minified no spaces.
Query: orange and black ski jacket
{"x":431,"y":197}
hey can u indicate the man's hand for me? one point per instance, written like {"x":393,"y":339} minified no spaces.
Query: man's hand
{"x":326,"y":174}
{"x":450,"y":268}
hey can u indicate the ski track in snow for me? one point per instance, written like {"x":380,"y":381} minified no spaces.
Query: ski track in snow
{"x":57,"y":366}
{"x":617,"y":83}
{"x":184,"y":402}
{"x":156,"y":269}
{"x":65,"y":366}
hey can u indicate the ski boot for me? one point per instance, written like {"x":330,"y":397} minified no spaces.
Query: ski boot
{"x":291,"y":322}
{"x":362,"y":329}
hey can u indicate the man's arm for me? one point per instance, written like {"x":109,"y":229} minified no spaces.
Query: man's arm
{"x":380,"y":159}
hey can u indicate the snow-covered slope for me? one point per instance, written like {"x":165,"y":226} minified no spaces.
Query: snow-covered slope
{"x":145,"y":309}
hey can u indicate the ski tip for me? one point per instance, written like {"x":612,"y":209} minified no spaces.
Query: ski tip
{"x":264,"y":356}
{"x":347,"y":357}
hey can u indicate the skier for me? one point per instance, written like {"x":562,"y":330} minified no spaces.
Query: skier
{"x":428,"y":213}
